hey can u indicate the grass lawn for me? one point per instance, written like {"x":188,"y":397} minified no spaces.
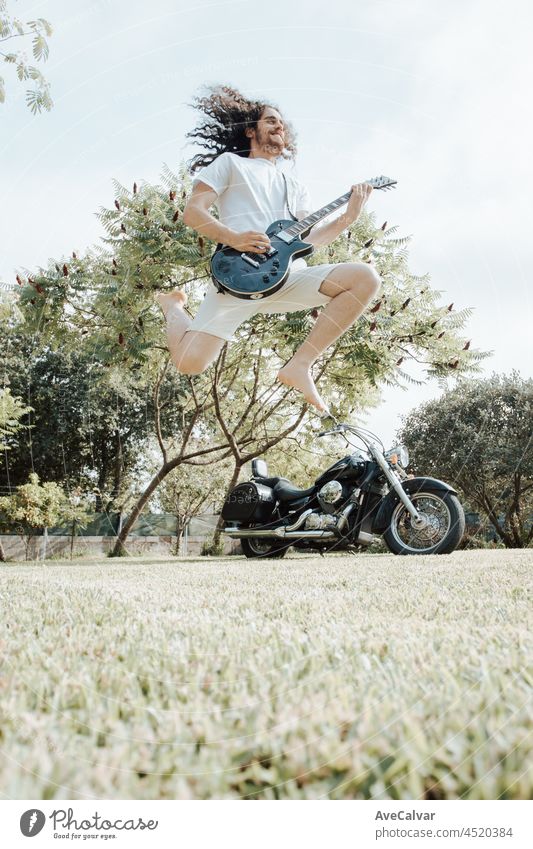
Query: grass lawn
{"x":367,"y":676}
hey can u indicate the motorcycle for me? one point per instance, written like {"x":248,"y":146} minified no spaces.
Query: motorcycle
{"x":363,"y":496}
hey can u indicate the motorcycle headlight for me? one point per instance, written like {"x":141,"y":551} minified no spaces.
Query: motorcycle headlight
{"x":398,"y":456}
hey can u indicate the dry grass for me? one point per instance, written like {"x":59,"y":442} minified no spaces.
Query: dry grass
{"x":343,"y":677}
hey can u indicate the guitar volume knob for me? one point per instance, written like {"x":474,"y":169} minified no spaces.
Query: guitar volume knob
{"x":266,"y":278}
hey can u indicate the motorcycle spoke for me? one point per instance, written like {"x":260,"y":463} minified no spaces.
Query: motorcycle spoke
{"x":438,"y":519}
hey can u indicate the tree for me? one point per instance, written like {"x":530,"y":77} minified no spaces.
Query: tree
{"x":74,"y":514}
{"x":479,"y":436}
{"x":35,"y":507}
{"x":237,"y":408}
{"x":38,"y":97}
{"x":86,"y":429}
{"x":186,"y":491}
{"x":11,"y":411}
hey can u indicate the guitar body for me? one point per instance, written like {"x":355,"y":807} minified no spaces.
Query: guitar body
{"x":255,"y":276}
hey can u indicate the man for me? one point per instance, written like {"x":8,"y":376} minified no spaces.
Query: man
{"x":240,"y":176}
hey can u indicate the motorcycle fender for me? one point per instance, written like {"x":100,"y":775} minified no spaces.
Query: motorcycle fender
{"x":411,"y":485}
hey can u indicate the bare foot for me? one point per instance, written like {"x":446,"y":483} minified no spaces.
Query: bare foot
{"x":167,"y":299}
{"x":299,"y":377}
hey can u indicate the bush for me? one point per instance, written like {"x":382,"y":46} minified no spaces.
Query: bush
{"x":212,"y":547}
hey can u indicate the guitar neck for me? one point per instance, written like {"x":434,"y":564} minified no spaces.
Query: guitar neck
{"x":306,"y":223}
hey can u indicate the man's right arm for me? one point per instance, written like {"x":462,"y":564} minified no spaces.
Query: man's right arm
{"x":196,"y":215}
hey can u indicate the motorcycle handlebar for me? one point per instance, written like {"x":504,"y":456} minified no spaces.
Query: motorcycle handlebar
{"x":343,"y":427}
{"x":364,"y":435}
{"x":333,"y":430}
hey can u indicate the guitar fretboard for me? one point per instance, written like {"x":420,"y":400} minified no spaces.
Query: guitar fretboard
{"x":306,"y":223}
{"x":300,"y":227}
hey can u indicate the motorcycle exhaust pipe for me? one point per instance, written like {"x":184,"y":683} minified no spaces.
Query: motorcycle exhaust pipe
{"x":278,"y":533}
{"x":282,"y":533}
{"x":309,"y":535}
{"x":364,"y":538}
{"x":274,"y":532}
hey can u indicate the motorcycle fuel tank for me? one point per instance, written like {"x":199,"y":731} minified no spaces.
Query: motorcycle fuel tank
{"x":349,"y":468}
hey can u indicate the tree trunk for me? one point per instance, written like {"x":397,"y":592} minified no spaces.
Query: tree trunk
{"x":490,"y":512}
{"x":179,"y":529}
{"x":117,"y":467}
{"x":220,"y":523}
{"x":102,"y":477}
{"x":3,"y":557}
{"x":72,"y":535}
{"x":514,"y":524}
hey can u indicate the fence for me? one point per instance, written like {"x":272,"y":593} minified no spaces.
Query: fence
{"x":151,"y":533}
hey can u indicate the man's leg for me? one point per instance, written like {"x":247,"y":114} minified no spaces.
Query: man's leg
{"x":191,"y":351}
{"x":351,"y":286}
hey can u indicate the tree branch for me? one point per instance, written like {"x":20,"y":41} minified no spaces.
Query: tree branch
{"x":227,"y":433}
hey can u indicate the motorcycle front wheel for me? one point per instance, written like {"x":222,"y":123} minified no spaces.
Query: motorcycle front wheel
{"x":442,"y":533}
{"x":263,"y":547}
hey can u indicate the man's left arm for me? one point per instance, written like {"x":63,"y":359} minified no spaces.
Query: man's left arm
{"x":322,"y":235}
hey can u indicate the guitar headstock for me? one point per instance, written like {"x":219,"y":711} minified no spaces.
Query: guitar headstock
{"x":382,"y":182}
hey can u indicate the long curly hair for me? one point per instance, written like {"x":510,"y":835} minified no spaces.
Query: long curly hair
{"x":227,"y":115}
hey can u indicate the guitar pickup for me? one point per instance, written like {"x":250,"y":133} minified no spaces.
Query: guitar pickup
{"x":285,"y":236}
{"x":249,"y":260}
{"x":271,"y":251}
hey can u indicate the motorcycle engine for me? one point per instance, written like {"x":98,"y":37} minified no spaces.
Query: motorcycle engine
{"x":329,"y":495}
{"x":320,"y":522}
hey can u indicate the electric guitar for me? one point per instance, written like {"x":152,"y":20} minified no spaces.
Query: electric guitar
{"x":253,"y":276}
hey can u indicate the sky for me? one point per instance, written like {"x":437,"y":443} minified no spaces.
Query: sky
{"x":436,"y":95}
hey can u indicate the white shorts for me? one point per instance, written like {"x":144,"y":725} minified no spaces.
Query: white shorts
{"x":221,"y":314}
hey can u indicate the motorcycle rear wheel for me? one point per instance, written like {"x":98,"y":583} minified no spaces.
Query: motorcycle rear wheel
{"x":441,"y":536}
{"x":263,"y":547}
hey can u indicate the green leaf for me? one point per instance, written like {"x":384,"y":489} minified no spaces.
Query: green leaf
{"x":34,"y":101}
{"x":41,"y":24}
{"x":22,"y":71}
{"x":35,"y":74}
{"x":40,"y":48}
{"x":5,"y":26}
{"x":39,"y":100}
{"x":46,"y":26}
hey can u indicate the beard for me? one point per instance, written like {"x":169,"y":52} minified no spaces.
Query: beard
{"x":268,"y":143}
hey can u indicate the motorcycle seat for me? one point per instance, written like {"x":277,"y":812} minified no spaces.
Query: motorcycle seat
{"x":285,"y":491}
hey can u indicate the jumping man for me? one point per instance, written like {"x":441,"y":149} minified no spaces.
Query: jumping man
{"x":239,"y":174}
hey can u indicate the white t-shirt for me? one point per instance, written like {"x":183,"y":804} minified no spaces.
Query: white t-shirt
{"x":251,"y":193}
